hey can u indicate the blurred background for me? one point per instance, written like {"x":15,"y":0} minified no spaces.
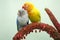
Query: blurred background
{"x":8,"y":15}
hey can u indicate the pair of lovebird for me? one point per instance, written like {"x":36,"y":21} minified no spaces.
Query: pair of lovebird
{"x":29,"y":11}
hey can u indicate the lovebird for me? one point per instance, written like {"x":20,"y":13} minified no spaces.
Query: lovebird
{"x":22,"y":19}
{"x":33,"y":12}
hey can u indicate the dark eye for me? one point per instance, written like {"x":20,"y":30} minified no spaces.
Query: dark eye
{"x":23,"y":12}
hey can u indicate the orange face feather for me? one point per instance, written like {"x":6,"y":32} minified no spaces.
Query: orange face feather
{"x":28,"y":6}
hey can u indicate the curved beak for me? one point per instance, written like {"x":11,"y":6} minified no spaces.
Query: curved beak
{"x":24,"y":7}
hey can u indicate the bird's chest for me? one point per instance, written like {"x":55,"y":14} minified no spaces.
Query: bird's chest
{"x":32,"y":15}
{"x":22,"y":20}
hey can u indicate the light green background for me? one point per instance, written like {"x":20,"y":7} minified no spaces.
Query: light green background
{"x":8,"y":14}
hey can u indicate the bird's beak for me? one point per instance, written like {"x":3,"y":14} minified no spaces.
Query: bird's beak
{"x":24,"y":7}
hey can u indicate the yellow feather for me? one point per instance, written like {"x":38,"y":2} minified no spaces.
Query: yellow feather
{"x":33,"y":13}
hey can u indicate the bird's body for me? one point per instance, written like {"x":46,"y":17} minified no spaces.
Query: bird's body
{"x":22,"y":19}
{"x":33,"y":13}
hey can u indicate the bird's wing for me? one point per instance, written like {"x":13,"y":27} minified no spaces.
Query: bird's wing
{"x":38,"y":13}
{"x":18,"y":25}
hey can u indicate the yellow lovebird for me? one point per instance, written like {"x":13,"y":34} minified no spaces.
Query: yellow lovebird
{"x":33,"y":12}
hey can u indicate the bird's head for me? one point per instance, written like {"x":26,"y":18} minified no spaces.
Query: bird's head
{"x":28,"y":6}
{"x":21,"y":12}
